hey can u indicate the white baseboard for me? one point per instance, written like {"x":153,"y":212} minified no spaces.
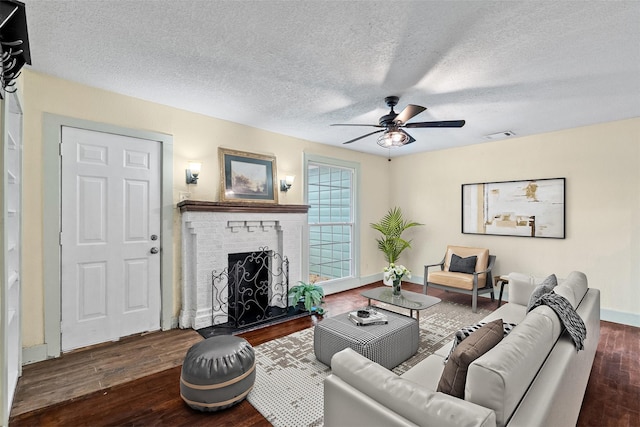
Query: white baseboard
{"x":36,"y":353}
{"x":334,"y":287}
{"x":631,"y":319}
{"x":174,"y":324}
{"x":418,"y":280}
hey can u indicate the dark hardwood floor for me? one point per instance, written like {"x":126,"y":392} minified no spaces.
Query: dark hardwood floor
{"x":613,"y":393}
{"x":611,"y":399}
{"x":90,"y":369}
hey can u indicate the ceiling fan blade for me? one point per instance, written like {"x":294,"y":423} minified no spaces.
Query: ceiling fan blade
{"x":353,"y":124}
{"x":441,"y":124}
{"x":411,"y":139}
{"x":408,"y":113}
{"x":364,"y":136}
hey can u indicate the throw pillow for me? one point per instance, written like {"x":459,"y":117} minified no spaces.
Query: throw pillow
{"x":543,"y":288}
{"x":454,"y":376}
{"x":465,"y":331}
{"x":463,"y":265}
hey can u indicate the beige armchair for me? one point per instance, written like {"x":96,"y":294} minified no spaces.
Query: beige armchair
{"x":466,"y":277}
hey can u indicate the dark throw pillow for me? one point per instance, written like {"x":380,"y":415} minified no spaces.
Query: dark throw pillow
{"x":543,"y":288}
{"x":463,"y":265}
{"x":454,"y":376}
{"x":465,"y":331}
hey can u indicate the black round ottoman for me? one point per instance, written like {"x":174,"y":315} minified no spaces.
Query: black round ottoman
{"x":217,"y":373}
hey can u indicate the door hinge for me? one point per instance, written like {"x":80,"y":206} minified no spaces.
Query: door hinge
{"x":60,"y":238}
{"x":60,"y":149}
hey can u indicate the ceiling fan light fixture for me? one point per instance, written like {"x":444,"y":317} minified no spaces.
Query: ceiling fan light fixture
{"x":392,"y":125}
{"x":393,"y":138}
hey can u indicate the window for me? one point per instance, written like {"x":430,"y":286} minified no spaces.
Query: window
{"x":332,"y":225}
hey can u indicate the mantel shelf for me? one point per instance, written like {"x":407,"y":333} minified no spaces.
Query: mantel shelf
{"x":206,"y":206}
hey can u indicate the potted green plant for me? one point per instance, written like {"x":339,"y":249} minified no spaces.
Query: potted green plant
{"x":310,"y":294}
{"x":391,"y":226}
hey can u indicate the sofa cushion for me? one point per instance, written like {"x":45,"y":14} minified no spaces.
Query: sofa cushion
{"x":510,"y":313}
{"x":521,"y":286}
{"x":500,"y":378}
{"x":427,"y":373}
{"x":450,"y":278}
{"x":466,"y":331}
{"x":454,"y":375}
{"x":567,"y":293}
{"x":545,"y":287}
{"x":568,"y":317}
{"x":463,"y":265}
{"x":573,"y":288}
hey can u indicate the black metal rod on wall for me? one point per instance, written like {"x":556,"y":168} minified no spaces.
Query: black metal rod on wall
{"x":14,"y":43}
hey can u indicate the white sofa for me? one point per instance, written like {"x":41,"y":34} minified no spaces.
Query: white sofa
{"x":533,"y":377}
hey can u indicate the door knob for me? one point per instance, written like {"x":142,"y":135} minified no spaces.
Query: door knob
{"x":154,"y":250}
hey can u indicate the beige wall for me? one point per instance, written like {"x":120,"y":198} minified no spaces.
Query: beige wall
{"x":601,"y":167}
{"x":600,"y":163}
{"x":194,"y":137}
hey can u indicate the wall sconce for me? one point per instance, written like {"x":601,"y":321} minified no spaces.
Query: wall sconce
{"x":286,"y":183}
{"x":193,"y":172}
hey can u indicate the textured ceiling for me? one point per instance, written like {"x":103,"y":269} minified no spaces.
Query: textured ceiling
{"x":295,"y":67}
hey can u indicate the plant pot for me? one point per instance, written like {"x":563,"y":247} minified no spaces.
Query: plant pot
{"x":314,"y":309}
{"x":386,"y":281}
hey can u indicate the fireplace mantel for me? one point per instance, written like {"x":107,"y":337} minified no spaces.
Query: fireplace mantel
{"x":211,"y":231}
{"x":205,"y":206}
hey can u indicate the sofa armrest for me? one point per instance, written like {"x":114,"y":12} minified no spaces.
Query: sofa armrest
{"x":521,"y":287}
{"x":345,"y":405}
{"x":359,"y":389}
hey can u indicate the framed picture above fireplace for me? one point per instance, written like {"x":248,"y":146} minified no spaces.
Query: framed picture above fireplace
{"x":247,"y":177}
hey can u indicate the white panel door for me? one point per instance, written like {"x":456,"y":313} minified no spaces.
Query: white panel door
{"x":110,"y":236}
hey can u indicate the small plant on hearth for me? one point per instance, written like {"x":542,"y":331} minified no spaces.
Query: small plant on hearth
{"x":310,"y":294}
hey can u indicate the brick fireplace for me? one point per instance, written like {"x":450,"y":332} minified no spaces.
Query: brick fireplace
{"x":211,"y":231}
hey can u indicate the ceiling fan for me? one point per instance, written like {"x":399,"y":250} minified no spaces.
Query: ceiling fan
{"x":391,"y":124}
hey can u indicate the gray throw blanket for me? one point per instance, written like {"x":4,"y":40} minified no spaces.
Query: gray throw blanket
{"x":567,"y":315}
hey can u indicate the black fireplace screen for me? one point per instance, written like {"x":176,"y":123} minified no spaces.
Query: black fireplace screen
{"x":251,"y":290}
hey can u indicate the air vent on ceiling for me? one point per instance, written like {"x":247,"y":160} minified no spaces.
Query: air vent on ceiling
{"x":498,"y":135}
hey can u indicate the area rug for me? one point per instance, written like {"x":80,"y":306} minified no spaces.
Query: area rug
{"x":288,"y":390}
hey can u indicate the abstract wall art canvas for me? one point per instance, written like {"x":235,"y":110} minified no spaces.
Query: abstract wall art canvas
{"x":528,"y":208}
